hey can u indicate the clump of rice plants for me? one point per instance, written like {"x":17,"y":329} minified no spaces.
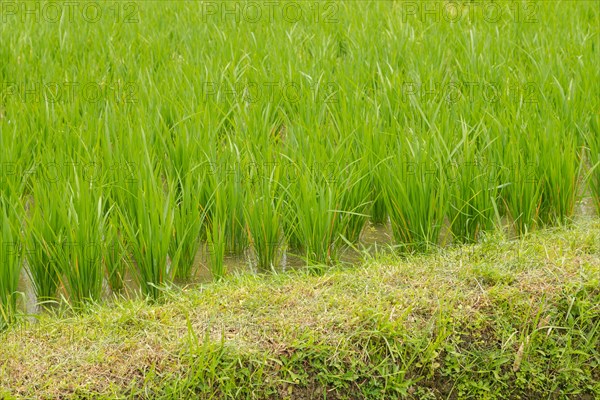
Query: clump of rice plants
{"x":355,"y":198}
{"x":224,"y":176}
{"x":289,"y":222}
{"x":473,"y":191}
{"x":189,"y":216}
{"x":522,"y":194}
{"x":230,"y":181}
{"x":16,"y":152}
{"x":45,"y":236}
{"x":313,"y":215}
{"x":187,"y":176}
{"x":560,"y":167}
{"x":593,"y":153}
{"x":10,"y":259}
{"x":216,"y":231}
{"x":376,"y":151}
{"x":216,"y":246}
{"x":147,"y":210}
{"x":415,"y":194}
{"x":263,"y":213}
{"x":115,"y":255}
{"x":378,"y":210}
{"x":81,"y":257}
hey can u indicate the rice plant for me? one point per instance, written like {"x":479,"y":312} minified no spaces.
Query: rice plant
{"x":473,"y":190}
{"x":115,"y":255}
{"x":377,"y":151}
{"x":263,"y":214}
{"x":229,"y":180}
{"x":416,"y":195}
{"x":10,"y":259}
{"x":355,"y":198}
{"x":187,"y":176}
{"x":188,"y":220}
{"x":561,"y":171}
{"x":45,"y":235}
{"x":313,"y":213}
{"x":81,"y":257}
{"x":147,"y":213}
{"x":216,"y":232}
{"x":378,"y":210}
{"x":522,"y":195}
{"x":593,"y":153}
{"x":16,"y":157}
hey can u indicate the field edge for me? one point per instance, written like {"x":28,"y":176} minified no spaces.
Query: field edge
{"x":503,"y":318}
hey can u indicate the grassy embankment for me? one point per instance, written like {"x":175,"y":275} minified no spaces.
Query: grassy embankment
{"x":516,"y":319}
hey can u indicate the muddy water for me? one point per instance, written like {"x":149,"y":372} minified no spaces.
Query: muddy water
{"x":373,"y":235}
{"x":27,"y":302}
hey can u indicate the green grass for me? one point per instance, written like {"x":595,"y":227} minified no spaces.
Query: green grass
{"x":499,"y":319}
{"x":358,"y":110}
{"x":133,"y":142}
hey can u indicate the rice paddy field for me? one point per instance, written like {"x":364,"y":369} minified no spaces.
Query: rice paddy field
{"x":153,"y":149}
